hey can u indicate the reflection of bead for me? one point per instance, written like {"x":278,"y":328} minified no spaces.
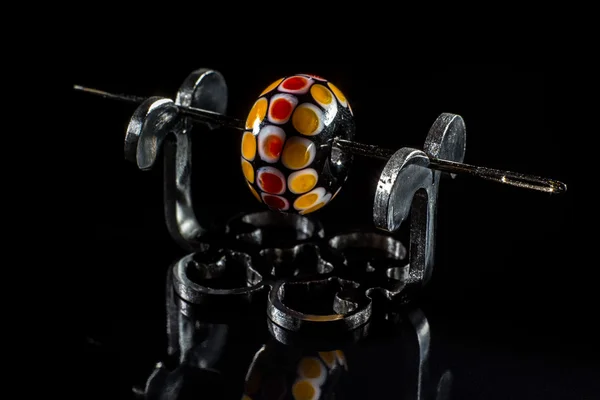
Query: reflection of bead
{"x":307,"y":375}
{"x":286,"y":148}
{"x":305,"y":389}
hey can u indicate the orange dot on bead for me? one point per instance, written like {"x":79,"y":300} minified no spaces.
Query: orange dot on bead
{"x":305,"y":120}
{"x":302,"y":181}
{"x":248,"y":146}
{"x":306,"y":200}
{"x":321,"y":94}
{"x":298,"y":153}
{"x":338,"y":93}
{"x":296,"y":156}
{"x":248,"y":171}
{"x":257,"y":113}
{"x":271,"y":86}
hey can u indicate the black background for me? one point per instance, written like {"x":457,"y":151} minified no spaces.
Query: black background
{"x":508,"y":310}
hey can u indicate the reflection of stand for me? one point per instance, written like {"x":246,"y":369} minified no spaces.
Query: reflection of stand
{"x":417,"y":340}
{"x":204,"y":353}
{"x":211,"y":359}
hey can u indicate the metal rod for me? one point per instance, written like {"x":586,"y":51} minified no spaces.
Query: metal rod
{"x":196,"y":114}
{"x":361,"y":149}
{"x":106,"y":95}
{"x":367,"y":150}
{"x":510,"y":178}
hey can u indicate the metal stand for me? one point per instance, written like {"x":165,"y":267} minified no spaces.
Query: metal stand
{"x":318,"y":291}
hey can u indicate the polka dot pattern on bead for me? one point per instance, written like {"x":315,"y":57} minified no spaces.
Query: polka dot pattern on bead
{"x":286,"y":148}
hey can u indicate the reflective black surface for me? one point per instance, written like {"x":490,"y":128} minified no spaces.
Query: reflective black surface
{"x":509,"y":304}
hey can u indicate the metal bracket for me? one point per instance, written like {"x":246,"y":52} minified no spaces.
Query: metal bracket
{"x":407,"y":188}
{"x":151,"y":125}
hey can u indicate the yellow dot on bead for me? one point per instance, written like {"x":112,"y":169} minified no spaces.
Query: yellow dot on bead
{"x":306,"y":200}
{"x":338,"y":93}
{"x":248,"y":171}
{"x":271,"y":86}
{"x":302,"y":183}
{"x":295,"y":154}
{"x":248,"y":146}
{"x":246,"y":397}
{"x":303,"y":390}
{"x":254,"y":192}
{"x":305,"y":120}
{"x":257,"y":113}
{"x":313,"y":208}
{"x":321,"y":94}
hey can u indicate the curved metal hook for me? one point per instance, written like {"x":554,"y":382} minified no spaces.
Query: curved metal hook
{"x":407,"y":185}
{"x":150,"y":127}
{"x":150,"y":124}
{"x":206,"y":89}
{"x":446,"y":140}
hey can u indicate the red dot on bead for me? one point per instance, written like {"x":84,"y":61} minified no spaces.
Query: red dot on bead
{"x":281,"y":109}
{"x":270,"y":182}
{"x":294,"y":83}
{"x":274,"y":201}
{"x":273,"y":146}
